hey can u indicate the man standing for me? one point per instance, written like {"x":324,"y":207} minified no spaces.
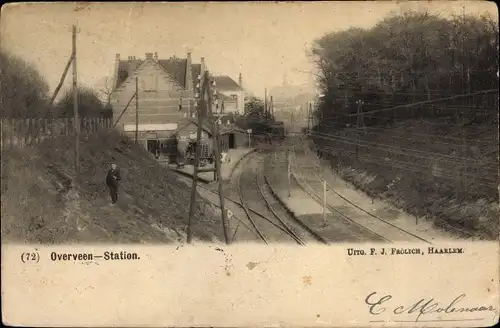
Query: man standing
{"x":112,"y":181}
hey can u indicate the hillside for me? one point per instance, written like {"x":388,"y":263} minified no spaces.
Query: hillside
{"x":446,"y":173}
{"x":39,"y":203}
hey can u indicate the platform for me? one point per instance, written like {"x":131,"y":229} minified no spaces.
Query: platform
{"x":299,"y":202}
{"x":227,"y":168}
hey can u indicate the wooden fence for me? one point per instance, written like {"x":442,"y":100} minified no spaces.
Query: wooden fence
{"x":28,"y":132}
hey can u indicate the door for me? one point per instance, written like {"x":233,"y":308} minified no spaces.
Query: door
{"x":231,"y":141}
{"x":153,"y":146}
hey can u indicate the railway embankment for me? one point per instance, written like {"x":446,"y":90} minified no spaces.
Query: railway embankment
{"x":444,"y":173}
{"x":42,"y":204}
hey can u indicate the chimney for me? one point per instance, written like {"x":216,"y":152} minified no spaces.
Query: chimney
{"x":240,"y":81}
{"x":115,"y":73}
{"x":132,"y":65}
{"x":156,"y":56}
{"x":189,"y":74}
{"x":203,"y":68}
{"x":149,"y":55}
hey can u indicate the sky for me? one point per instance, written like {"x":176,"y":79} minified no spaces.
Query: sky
{"x":262,"y":41}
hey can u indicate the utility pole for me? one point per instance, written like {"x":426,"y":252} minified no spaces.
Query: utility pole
{"x":309,"y":117}
{"x":359,"y":123}
{"x":217,"y":160}
{"x":75,"y":110}
{"x":136,"y":109}
{"x":200,"y":93}
{"x":265,"y":103}
{"x":272,"y":108}
{"x":203,"y":88}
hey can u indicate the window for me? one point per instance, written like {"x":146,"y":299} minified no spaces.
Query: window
{"x":235,"y":99}
{"x":149,"y":83}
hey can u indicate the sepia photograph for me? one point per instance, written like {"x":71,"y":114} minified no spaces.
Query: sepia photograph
{"x":357,"y":125}
{"x":382,"y":132}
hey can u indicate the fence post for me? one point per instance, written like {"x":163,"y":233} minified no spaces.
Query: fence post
{"x":2,"y":136}
{"x":35,"y":131}
{"x":26,"y":131}
{"x":53,"y":123}
{"x":41,"y":129}
{"x":13,"y":132}
{"x":324,"y":202}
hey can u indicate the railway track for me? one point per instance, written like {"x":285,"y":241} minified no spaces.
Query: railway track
{"x":254,"y":193}
{"x":262,"y":209}
{"x":377,"y":226}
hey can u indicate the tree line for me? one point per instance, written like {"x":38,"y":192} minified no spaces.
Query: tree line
{"x":25,"y":94}
{"x":406,"y":58}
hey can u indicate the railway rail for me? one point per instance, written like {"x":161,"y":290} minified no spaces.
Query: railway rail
{"x":255,"y":195}
{"x":378,"y":227}
{"x":272,"y":214}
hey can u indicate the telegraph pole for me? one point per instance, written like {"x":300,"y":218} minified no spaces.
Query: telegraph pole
{"x":136,"y":109}
{"x":75,"y":110}
{"x":271,"y":105}
{"x":217,"y":160}
{"x":206,"y":112}
{"x":200,"y":95}
{"x":308,"y":117}
{"x":359,"y":123}
{"x":265,"y":103}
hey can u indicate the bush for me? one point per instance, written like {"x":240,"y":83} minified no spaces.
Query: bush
{"x":89,"y":104}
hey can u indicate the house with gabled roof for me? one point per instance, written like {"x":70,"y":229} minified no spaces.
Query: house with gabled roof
{"x":165,"y":94}
{"x":231,"y":94}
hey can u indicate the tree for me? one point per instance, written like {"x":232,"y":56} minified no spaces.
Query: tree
{"x":254,"y":106}
{"x":23,"y":90}
{"x":107,"y":90}
{"x":405,"y":58}
{"x":89,"y":104}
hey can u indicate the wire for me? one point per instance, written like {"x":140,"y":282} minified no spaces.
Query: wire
{"x":461,"y":165}
{"x":414,"y":133}
{"x":411,"y":168}
{"x":414,"y":164}
{"x":492,"y":91}
{"x":390,"y":148}
{"x":381,"y":133}
{"x":493,"y":142}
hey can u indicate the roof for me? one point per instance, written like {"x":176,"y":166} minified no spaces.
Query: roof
{"x":175,"y":67}
{"x":206,"y":126}
{"x":225,"y":97}
{"x":226,"y":83}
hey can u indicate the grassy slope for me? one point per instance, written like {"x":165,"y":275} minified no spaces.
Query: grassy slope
{"x":39,"y":204}
{"x":461,"y":205}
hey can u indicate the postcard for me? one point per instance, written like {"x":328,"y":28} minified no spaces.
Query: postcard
{"x":250,"y":164}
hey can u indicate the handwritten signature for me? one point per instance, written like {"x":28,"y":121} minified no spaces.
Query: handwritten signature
{"x":423,"y":307}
